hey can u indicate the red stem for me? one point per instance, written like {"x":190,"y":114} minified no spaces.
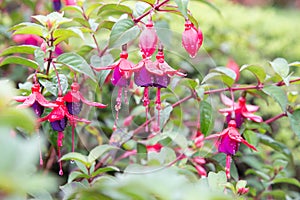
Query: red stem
{"x":275,"y":118}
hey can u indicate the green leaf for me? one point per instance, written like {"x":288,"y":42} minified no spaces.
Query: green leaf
{"x":258,"y":71}
{"x":190,"y":83}
{"x":52,"y":87}
{"x":39,"y":56}
{"x":165,"y":115}
{"x":99,"y":151}
{"x":19,"y":60}
{"x":295,"y":121}
{"x":217,"y":181}
{"x":280,"y":66}
{"x":182,"y":6}
{"x":104,"y":170}
{"x":276,"y":194}
{"x":221,"y":73}
{"x":26,"y":49}
{"x":82,"y":167}
{"x":64,"y":34}
{"x":21,"y":118}
{"x":115,"y":7}
{"x":75,"y":175}
{"x":141,"y":152}
{"x":291,"y":181}
{"x":251,"y":137}
{"x":277,"y":94}
{"x":240,"y":184}
{"x":73,"y":8}
{"x":30,"y":28}
{"x":76,"y":156}
{"x":123,"y":32}
{"x":258,"y":173}
{"x":106,"y":24}
{"x":55,"y":18}
{"x":92,"y":7}
{"x":77,"y":63}
{"x":102,"y":61}
{"x":206,"y":118}
{"x":277,"y":146}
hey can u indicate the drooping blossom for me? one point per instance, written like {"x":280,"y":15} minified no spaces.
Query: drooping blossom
{"x":241,"y":110}
{"x":35,"y":100}
{"x":198,"y":163}
{"x":74,"y":100}
{"x":228,"y":142}
{"x":154,"y":74}
{"x":58,"y":119}
{"x":231,"y":64}
{"x":148,"y":40}
{"x":70,"y":2}
{"x":121,"y":76}
{"x":191,"y":38}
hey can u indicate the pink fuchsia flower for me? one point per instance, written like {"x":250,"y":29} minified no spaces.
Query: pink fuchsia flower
{"x":74,"y":100}
{"x":70,"y":2}
{"x":198,"y":162}
{"x":191,"y":38}
{"x":28,"y":39}
{"x":240,"y":109}
{"x":229,"y":142}
{"x":35,"y":100}
{"x":231,"y":64}
{"x":59,"y":116}
{"x":148,"y":40}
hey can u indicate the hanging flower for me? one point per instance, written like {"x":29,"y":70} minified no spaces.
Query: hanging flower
{"x":59,"y":116}
{"x":27,"y":39}
{"x":148,"y":40}
{"x":74,"y":100}
{"x":240,"y":109}
{"x":191,"y":38}
{"x":70,"y":2}
{"x":229,"y":142}
{"x":35,"y":100}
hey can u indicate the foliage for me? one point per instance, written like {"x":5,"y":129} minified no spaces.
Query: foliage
{"x":160,"y":131}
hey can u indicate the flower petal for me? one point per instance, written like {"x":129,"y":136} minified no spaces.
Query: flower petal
{"x":226,"y":101}
{"x":252,"y":117}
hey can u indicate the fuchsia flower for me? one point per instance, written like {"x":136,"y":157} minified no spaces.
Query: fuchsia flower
{"x":231,"y":64}
{"x":28,"y":39}
{"x":148,"y":40}
{"x":70,"y":2}
{"x":154,"y":74}
{"x":74,"y":100}
{"x":240,"y":109}
{"x":229,"y":142}
{"x":191,"y":38}
{"x":58,"y":119}
{"x":35,"y":100}
{"x":122,"y":70}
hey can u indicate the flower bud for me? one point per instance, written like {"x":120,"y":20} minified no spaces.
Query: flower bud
{"x":191,"y":38}
{"x":148,"y":40}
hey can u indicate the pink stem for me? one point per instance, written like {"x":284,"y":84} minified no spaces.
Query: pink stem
{"x":146,"y":104}
{"x":118,"y":107}
{"x":227,"y":168}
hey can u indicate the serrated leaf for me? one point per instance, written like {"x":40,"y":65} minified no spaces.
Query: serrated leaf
{"x":115,"y":7}
{"x":76,"y":156}
{"x":99,"y":151}
{"x":258,"y":71}
{"x":123,"y":32}
{"x":280,"y":66}
{"x":182,"y":6}
{"x":291,"y":181}
{"x":277,"y":94}
{"x":19,"y":60}
{"x":295,"y":121}
{"x":104,"y":170}
{"x":206,"y":118}
{"x":77,"y":63}
{"x":26,"y":49}
{"x":277,"y":146}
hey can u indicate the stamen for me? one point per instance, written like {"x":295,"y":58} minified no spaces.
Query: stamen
{"x":146,"y":103}
{"x":158,"y":106}
{"x":118,"y":107}
{"x":60,"y":137}
{"x":227,"y":168}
